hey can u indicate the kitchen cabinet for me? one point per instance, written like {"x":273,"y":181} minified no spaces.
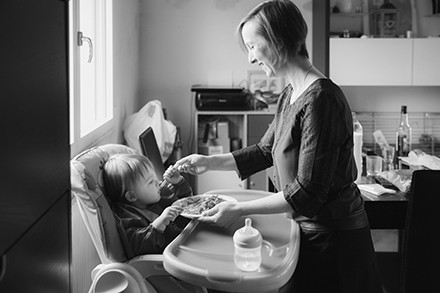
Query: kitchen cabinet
{"x":244,"y":126}
{"x":357,"y":62}
{"x":35,"y":151}
{"x":385,"y":62}
{"x":426,"y":58}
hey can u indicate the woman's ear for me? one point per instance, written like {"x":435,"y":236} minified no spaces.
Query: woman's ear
{"x":130,"y":196}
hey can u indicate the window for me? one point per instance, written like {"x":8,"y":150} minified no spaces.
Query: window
{"x":91,"y":72}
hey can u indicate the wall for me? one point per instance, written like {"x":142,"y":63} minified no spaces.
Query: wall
{"x":187,"y":42}
{"x":390,"y":98}
{"x":126,"y":59}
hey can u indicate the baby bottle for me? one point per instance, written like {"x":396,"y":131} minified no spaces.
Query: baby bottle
{"x":247,"y":243}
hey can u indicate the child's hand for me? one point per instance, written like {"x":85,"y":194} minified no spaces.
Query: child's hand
{"x":168,"y":215}
{"x":172,"y":175}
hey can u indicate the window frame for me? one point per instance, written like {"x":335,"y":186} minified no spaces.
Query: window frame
{"x":82,"y":138}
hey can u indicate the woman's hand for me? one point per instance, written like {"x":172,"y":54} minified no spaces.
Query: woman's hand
{"x":172,"y":175}
{"x":193,"y":164}
{"x":223,"y":214}
{"x":168,"y":215}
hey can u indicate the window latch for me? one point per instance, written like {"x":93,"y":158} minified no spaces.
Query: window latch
{"x":81,"y":40}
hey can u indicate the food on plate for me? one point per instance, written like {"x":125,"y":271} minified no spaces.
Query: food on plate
{"x":197,"y":204}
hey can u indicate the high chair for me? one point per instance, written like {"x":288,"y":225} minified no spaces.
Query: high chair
{"x":117,"y":272}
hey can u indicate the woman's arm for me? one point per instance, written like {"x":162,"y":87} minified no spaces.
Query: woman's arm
{"x":199,"y":164}
{"x":226,"y":213}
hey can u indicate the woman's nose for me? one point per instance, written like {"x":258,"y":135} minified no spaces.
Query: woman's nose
{"x":251,"y":58}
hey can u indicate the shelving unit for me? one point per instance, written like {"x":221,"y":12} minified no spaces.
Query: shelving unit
{"x":363,"y":16}
{"x":247,"y":127}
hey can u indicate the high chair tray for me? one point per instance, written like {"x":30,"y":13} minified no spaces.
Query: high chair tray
{"x":204,"y":254}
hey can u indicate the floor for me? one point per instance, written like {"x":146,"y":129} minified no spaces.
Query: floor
{"x":385,"y":240}
{"x":386,"y":246}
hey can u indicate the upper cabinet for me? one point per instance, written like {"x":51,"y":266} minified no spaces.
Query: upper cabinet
{"x":370,"y":61}
{"x":384,"y":43}
{"x":385,"y":62}
{"x":426,"y":61}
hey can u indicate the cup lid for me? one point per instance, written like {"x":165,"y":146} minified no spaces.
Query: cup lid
{"x":247,"y":236}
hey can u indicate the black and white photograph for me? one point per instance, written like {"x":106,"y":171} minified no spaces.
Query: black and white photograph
{"x":214,"y":146}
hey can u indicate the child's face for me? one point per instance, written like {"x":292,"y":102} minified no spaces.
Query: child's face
{"x":146,"y":189}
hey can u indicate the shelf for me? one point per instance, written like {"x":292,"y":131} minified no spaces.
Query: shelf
{"x":353,"y":15}
{"x":437,"y":15}
{"x":247,"y":112}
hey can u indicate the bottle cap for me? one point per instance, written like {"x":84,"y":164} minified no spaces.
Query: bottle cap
{"x":247,"y":236}
{"x":403,"y":109}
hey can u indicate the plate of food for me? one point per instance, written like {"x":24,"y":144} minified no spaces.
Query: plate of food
{"x":195,"y":205}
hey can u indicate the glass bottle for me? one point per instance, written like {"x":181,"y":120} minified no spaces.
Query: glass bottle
{"x":357,"y":148}
{"x":247,"y":244}
{"x":403,"y":134}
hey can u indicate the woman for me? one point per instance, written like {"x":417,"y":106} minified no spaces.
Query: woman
{"x":310,"y":145}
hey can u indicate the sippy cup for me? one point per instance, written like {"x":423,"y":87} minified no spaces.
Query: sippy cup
{"x":247,"y":243}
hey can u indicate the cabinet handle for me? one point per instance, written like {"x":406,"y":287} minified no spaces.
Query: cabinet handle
{"x":2,"y":267}
{"x":81,"y":40}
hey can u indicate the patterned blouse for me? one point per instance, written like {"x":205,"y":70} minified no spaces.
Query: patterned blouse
{"x":310,"y":145}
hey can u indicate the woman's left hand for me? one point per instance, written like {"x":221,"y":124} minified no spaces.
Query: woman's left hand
{"x":223,"y":214}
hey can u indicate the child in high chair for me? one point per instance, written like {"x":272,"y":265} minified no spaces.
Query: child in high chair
{"x":133,"y":190}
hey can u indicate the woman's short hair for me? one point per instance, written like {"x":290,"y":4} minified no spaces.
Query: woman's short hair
{"x":120,"y":173}
{"x":282,"y":25}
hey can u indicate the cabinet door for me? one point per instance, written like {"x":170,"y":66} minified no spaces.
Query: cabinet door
{"x":257,"y":126}
{"x":39,"y":261}
{"x":35,"y":153}
{"x":426,"y":62}
{"x":371,"y":61}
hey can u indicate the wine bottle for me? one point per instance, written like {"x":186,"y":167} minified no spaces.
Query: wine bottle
{"x":403,"y":134}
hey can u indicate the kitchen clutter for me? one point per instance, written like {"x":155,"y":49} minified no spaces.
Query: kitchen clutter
{"x":419,"y":160}
{"x":151,"y":115}
{"x":213,"y":136}
{"x":391,"y":165}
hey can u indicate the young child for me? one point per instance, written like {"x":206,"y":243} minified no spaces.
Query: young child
{"x":134,"y":192}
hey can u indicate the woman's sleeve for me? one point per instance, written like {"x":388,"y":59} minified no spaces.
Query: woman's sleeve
{"x":324,"y":130}
{"x":257,"y":157}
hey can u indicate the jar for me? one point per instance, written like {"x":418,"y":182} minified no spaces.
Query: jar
{"x":247,"y":245}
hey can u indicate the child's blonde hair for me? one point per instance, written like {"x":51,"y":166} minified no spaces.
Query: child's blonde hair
{"x":120,"y":173}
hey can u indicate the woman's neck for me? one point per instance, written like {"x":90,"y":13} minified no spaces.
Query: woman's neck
{"x":301,"y":74}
